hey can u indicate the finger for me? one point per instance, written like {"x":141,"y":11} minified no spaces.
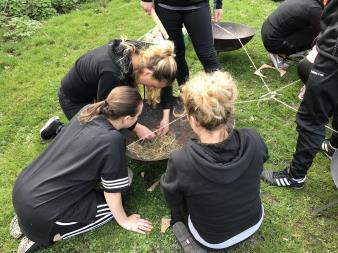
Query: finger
{"x":137,"y":215}
{"x":139,"y":231}
{"x":144,"y":221}
{"x":146,"y":229}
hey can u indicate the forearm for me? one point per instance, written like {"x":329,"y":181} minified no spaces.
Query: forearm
{"x":166,"y":115}
{"x":114,"y":201}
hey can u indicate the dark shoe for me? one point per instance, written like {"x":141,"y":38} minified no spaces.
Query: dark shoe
{"x":327,"y":149}
{"x":282,"y":178}
{"x":185,"y":239}
{"x":27,"y":246}
{"x":51,"y":128}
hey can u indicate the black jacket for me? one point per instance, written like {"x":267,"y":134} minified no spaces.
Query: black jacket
{"x":327,"y":43}
{"x":294,"y":15}
{"x":218,"y":184}
{"x":217,"y":3}
{"x":99,"y":71}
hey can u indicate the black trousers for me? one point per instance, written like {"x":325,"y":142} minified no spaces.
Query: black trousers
{"x":69,"y":229}
{"x":319,"y":104}
{"x":296,"y":41}
{"x":304,"y":68}
{"x":69,"y":107}
{"x":198,"y":25}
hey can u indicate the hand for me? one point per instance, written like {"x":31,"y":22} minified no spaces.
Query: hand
{"x":163,"y":128}
{"x":136,"y":224}
{"x":147,"y":6}
{"x":144,"y":132}
{"x":218,"y":13}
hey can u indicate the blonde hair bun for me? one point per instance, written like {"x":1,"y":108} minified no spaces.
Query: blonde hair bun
{"x":210,"y":98}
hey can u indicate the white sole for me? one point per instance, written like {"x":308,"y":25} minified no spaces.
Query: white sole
{"x":48,"y":123}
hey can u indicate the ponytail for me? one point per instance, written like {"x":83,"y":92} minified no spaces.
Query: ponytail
{"x":121,"y":101}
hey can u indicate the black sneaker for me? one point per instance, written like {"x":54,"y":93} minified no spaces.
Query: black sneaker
{"x":327,"y":149}
{"x":282,"y":178}
{"x":51,"y":128}
{"x":185,"y":239}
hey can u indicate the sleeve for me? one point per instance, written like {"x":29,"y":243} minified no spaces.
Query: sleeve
{"x":114,"y":174}
{"x":107,"y":82}
{"x":262,"y":148}
{"x":218,"y":4}
{"x":167,"y":97}
{"x":314,"y":15}
{"x":171,"y":191}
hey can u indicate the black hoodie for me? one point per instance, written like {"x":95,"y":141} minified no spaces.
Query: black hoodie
{"x":218,"y":184}
{"x":327,"y":44}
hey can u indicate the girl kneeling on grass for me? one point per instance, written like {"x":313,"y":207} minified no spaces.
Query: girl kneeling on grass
{"x":118,"y":63}
{"x":212,"y":185}
{"x":56,"y":197}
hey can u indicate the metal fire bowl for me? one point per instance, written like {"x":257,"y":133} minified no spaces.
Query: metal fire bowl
{"x":151,"y":118}
{"x":224,"y":41}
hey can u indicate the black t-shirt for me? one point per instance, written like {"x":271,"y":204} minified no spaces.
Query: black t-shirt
{"x":293,"y":15}
{"x":97,"y":72}
{"x":61,"y":181}
{"x":219,"y":184}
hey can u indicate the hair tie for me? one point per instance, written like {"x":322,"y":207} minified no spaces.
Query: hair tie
{"x":106,"y":103}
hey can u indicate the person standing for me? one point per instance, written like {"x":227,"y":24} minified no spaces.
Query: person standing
{"x":319,"y":104}
{"x":195,"y":16}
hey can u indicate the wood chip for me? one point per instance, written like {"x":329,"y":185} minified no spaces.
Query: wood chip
{"x":153,"y":186}
{"x":266,"y":66}
{"x":165,"y":224}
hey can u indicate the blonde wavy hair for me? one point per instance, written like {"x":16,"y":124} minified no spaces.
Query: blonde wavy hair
{"x":209,"y":98}
{"x":159,"y":58}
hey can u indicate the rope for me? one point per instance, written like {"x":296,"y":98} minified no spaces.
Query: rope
{"x":275,"y":91}
{"x":184,"y":115}
{"x":246,"y":51}
{"x":296,"y":110}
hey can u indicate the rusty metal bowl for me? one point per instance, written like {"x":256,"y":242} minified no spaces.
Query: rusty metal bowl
{"x":225,"y":41}
{"x":151,"y":117}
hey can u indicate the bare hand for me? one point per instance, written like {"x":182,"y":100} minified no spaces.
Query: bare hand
{"x":147,"y":6}
{"x":163,"y":128}
{"x":218,"y":13}
{"x":144,"y":132}
{"x":136,"y":224}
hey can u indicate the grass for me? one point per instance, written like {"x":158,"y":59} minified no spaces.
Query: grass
{"x":30,"y":74}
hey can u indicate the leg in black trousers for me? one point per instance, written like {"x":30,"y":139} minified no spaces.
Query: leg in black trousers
{"x":173,"y":22}
{"x":319,"y":104}
{"x":198,"y":25}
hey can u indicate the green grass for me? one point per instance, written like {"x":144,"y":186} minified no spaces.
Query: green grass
{"x":30,"y":74}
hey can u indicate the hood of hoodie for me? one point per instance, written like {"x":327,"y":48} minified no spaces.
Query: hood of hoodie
{"x":226,"y":161}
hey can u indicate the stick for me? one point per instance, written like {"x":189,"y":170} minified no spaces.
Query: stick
{"x":159,"y":24}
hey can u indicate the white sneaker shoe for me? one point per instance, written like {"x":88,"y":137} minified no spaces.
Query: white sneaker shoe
{"x":14,"y":228}
{"x":278,"y":62}
{"x":27,"y":246}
